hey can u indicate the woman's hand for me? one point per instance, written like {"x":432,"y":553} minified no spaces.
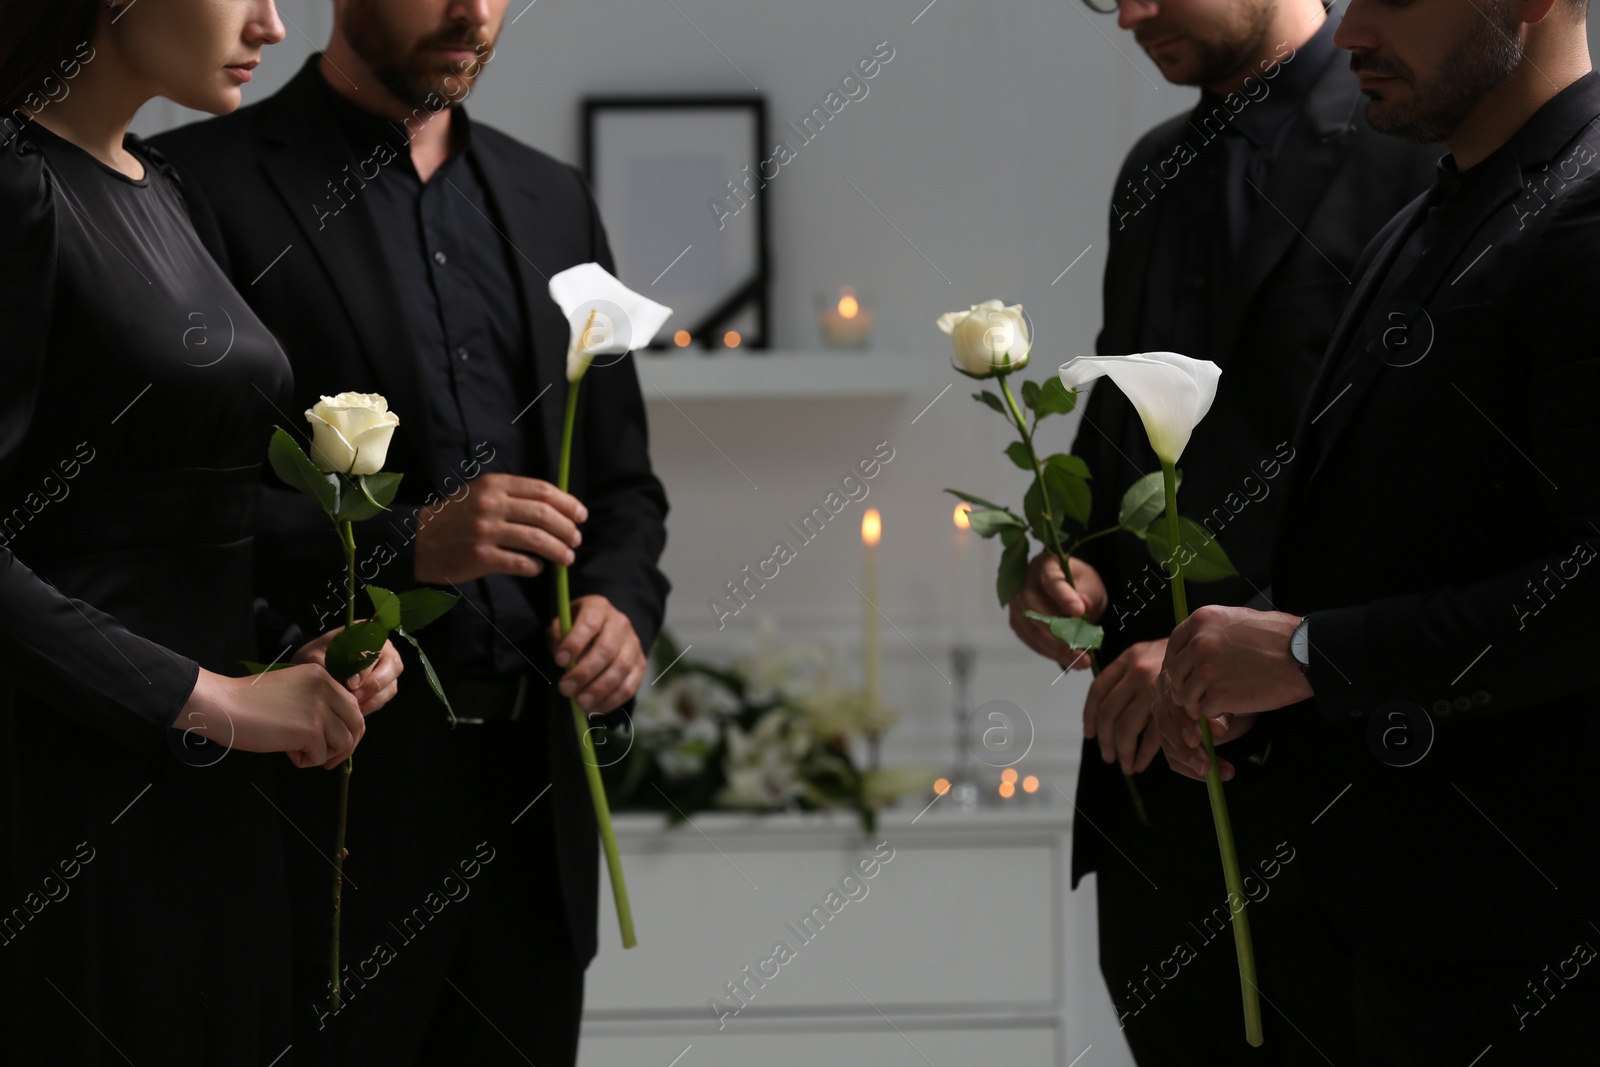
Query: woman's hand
{"x":373,"y":687}
{"x":300,"y":711}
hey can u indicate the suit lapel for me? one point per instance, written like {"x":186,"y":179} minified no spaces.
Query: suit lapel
{"x":1128,"y":260}
{"x":1313,"y":151}
{"x":534,"y":259}
{"x":1417,"y":289}
{"x":306,"y":150}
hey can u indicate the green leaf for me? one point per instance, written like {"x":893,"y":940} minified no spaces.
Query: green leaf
{"x":261,"y":668}
{"x":419,"y":607}
{"x":1055,"y":398}
{"x":1067,"y":479}
{"x":978,"y":500}
{"x":356,"y":497}
{"x":986,"y":397}
{"x":356,"y":648}
{"x":1207,"y":561}
{"x":385,"y":606}
{"x":1013,"y":569}
{"x":1030,"y":395}
{"x":1144,"y":500}
{"x":1071,"y":464}
{"x":988,"y":522}
{"x":433,"y":678}
{"x":380,"y":488}
{"x":1033,"y":511}
{"x":290,"y":462}
{"x":1077,"y":633}
{"x":1019,"y":455}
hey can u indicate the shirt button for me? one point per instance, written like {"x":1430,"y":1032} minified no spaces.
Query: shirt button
{"x":438,"y":257}
{"x":462,"y":352}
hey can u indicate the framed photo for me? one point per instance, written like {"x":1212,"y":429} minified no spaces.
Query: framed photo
{"x":678,"y":182}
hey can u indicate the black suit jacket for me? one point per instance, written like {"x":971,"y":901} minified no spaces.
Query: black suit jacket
{"x":260,"y":175}
{"x":1442,"y":543}
{"x":1334,"y":182}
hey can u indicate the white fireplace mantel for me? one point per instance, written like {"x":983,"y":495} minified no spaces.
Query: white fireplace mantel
{"x":964,"y":946}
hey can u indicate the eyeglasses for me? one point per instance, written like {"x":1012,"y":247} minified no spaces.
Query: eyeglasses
{"x":1108,"y":7}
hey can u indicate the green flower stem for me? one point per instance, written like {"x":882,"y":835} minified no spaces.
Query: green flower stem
{"x":347,"y":538}
{"x":1062,"y":558}
{"x":1038,"y":476}
{"x":1219,"y":803}
{"x":580,"y":719}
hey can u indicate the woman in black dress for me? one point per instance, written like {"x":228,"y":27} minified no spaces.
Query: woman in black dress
{"x":143,"y":916}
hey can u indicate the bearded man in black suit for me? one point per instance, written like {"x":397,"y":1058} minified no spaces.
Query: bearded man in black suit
{"x":395,"y":247}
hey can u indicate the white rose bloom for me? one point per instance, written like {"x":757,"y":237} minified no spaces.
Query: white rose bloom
{"x":988,"y":338}
{"x":351,"y":428}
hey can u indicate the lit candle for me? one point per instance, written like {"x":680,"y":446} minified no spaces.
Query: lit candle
{"x":871,"y":530}
{"x":846,"y":324}
{"x":961,"y":541}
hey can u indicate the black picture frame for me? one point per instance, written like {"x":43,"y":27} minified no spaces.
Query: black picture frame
{"x":671,"y":171}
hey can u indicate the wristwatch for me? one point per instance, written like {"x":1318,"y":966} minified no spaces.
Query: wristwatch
{"x":1300,"y":644}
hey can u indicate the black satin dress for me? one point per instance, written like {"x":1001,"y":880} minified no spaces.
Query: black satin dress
{"x":142,"y":909}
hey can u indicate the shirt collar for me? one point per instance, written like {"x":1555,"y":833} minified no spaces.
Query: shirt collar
{"x":1551,"y":127}
{"x":1259,"y":117}
{"x":368,"y":127}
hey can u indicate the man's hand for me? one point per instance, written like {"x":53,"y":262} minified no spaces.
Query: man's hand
{"x":1047,"y":592}
{"x":506,"y":524}
{"x":607,"y":661}
{"x":1180,"y":735}
{"x":1118,"y":709}
{"x":1234,"y":661}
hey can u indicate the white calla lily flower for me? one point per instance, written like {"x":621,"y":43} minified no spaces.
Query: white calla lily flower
{"x":606,"y":318}
{"x":1171,"y":392}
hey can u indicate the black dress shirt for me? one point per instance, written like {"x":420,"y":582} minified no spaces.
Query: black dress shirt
{"x":1206,"y":209}
{"x":452,"y":267}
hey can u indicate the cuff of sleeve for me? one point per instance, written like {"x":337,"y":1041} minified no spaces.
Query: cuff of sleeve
{"x":186,"y":675}
{"x":1339,"y":663}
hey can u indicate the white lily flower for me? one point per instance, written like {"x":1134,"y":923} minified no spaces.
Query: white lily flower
{"x":1171,"y":392}
{"x":605,"y":317}
{"x":989,"y":338}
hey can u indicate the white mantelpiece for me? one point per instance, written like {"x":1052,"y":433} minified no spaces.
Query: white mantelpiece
{"x":964,"y":947}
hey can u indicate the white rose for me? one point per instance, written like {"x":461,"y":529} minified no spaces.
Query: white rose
{"x":350,"y":432}
{"x":988,"y":339}
{"x":1171,"y":393}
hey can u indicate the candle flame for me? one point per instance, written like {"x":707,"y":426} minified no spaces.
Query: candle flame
{"x":871,"y":527}
{"x":848,"y":306}
{"x":962,"y":522}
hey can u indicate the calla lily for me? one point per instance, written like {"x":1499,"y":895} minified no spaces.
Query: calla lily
{"x":1172,"y":393}
{"x":989,"y":339}
{"x":606,"y":317}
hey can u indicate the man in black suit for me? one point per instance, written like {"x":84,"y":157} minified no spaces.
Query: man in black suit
{"x":1426,"y":659}
{"x":1234,"y":231}
{"x":393,"y":246}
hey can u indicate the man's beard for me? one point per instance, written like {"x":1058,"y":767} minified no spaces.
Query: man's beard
{"x":1218,"y":59}
{"x":411,"y":72}
{"x":1488,"y":55}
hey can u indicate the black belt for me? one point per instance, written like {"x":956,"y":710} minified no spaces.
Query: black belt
{"x":480,"y":701}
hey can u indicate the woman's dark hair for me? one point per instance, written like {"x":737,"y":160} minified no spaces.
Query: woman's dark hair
{"x":40,"y":45}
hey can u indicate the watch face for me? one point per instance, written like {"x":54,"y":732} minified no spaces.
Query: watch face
{"x":1300,"y":644}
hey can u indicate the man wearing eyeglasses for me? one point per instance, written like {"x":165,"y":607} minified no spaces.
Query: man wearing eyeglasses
{"x":1234,"y":231}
